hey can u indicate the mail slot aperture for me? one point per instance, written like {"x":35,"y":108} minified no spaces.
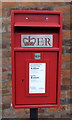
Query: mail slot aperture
{"x":42,"y":36}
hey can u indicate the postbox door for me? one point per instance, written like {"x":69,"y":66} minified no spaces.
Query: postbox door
{"x":22,"y":61}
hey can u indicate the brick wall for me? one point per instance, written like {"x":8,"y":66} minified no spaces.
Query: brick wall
{"x":64,"y":111}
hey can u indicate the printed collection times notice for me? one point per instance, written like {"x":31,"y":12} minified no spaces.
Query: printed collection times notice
{"x":37,"y":77}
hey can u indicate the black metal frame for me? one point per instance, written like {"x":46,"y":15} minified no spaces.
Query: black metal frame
{"x":33,"y":113}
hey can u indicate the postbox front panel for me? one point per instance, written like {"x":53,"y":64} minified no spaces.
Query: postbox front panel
{"x":23,"y":60}
{"x":36,"y":58}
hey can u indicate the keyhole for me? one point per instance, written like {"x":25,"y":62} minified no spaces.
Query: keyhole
{"x":22,"y":80}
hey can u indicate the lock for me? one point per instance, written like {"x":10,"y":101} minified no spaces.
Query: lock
{"x":37,"y":56}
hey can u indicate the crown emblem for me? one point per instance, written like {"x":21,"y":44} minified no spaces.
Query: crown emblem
{"x":29,"y":41}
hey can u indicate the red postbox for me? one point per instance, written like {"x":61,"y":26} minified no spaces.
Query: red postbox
{"x":36,"y":58}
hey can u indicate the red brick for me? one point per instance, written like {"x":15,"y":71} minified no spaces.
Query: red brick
{"x":70,"y":106}
{"x":3,"y":45}
{"x":5,"y":76}
{"x":68,"y":49}
{"x":19,"y":112}
{"x":52,"y":3}
{"x":0,"y":62}
{"x":67,"y":42}
{"x":69,"y":94}
{"x":4,"y":69}
{"x":23,"y":4}
{"x":64,"y":9}
{"x":61,"y":109}
{"x":6,"y":61}
{"x":27,"y":111}
{"x":0,"y":84}
{"x":9,"y":4}
{"x":66,"y":87}
{"x":3,"y":12}
{"x":6,"y":106}
{"x":25,"y":116}
{"x":53,"y":109}
{"x":63,"y":94}
{"x":0,"y":69}
{"x":6,"y":37}
{"x":0,"y":92}
{"x":9,"y":83}
{"x":67,"y":18}
{"x":0,"y":107}
{"x":9,"y":114}
{"x":71,"y":87}
{"x":9,"y":60}
{"x":0,"y":33}
{"x":65,"y":81}
{"x":68,"y":2}
{"x":3,"y":84}
{"x":57,"y":109}
{"x":66,"y":58}
{"x":45,"y":116}
{"x":0,"y":11}
{"x":71,"y":73}
{"x":6,"y":53}
{"x":66,"y":26}
{"x":0,"y":55}
{"x":68,"y":66}
{"x":7,"y":46}
{"x":1,"y":113}
{"x":0,"y":76}
{"x":66,"y":115}
{"x":0,"y":4}
{"x":70,"y":18}
{"x":67,"y":34}
{"x":66,"y":73}
{"x":41,"y":110}
{"x":6,"y":20}
{"x":6,"y":99}
{"x":6,"y":91}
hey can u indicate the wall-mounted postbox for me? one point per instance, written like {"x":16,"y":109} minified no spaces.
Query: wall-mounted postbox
{"x":36,"y":58}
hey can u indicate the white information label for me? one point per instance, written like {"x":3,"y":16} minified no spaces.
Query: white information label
{"x":37,"y":75}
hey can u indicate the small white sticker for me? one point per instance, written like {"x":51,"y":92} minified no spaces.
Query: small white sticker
{"x":37,"y":76}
